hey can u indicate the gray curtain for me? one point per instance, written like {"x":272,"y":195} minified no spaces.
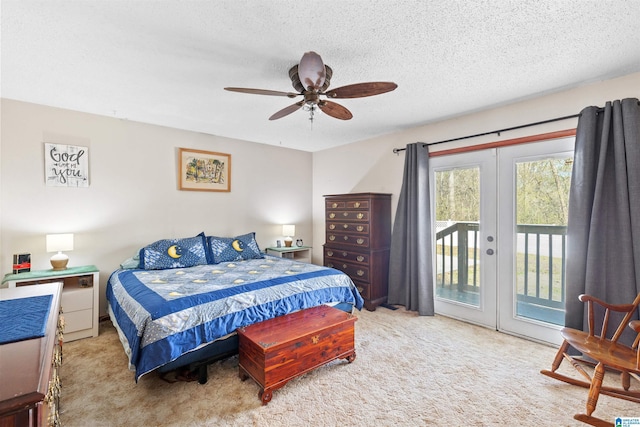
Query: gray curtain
{"x":603,"y":233}
{"x":410,"y":265}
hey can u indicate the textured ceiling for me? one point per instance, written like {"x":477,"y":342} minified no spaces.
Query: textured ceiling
{"x":166,"y":62}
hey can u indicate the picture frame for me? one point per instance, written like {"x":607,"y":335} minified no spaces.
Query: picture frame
{"x":200,"y":170}
{"x":66,"y":165}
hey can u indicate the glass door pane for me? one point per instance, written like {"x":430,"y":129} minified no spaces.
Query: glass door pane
{"x":457,"y":206}
{"x":542,"y":196}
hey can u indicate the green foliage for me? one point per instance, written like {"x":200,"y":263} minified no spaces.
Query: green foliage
{"x":542,"y":191}
{"x":458,"y":195}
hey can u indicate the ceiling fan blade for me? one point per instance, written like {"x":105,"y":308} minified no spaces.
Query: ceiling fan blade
{"x":262,"y":91}
{"x":311,"y":71}
{"x":335,"y":110}
{"x":360,"y":90}
{"x":286,"y":111}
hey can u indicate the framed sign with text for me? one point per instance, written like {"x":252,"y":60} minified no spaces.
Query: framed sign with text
{"x":66,"y":165}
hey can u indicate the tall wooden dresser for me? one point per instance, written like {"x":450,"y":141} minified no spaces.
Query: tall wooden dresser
{"x":358,"y":238}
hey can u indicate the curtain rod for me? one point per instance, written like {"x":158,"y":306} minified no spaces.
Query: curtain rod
{"x":557,"y":119}
{"x":397,"y":150}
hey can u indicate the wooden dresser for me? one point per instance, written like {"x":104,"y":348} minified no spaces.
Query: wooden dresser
{"x":30,"y":386}
{"x":358,"y":238}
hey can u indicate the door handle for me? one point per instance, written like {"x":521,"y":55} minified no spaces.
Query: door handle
{"x":489,"y":251}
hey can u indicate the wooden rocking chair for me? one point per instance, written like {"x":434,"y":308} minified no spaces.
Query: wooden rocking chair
{"x":606,"y":354}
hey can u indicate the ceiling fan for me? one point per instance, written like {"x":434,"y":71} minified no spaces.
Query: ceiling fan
{"x":311,"y":78}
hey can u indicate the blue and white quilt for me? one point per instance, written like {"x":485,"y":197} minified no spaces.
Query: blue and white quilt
{"x":163,"y":314}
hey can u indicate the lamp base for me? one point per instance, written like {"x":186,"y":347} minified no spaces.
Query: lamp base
{"x":59,"y":261}
{"x":288,"y":242}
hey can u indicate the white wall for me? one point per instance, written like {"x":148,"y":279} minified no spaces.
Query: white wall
{"x":133,"y":198}
{"x":371,"y":166}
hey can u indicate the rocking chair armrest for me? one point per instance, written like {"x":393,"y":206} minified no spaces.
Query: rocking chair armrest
{"x":635,"y":325}
{"x":624,"y":308}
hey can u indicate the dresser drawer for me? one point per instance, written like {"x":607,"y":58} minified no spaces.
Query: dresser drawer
{"x":348,"y":227}
{"x":347,"y":239}
{"x":77,"y":299}
{"x":363,"y":288}
{"x":360,"y":272}
{"x":78,"y":320}
{"x":349,"y":204}
{"x":348,"y":215}
{"x":333,"y":204}
{"x":338,"y":255}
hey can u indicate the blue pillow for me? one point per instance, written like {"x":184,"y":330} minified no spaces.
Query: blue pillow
{"x":174,"y":253}
{"x":228,"y":249}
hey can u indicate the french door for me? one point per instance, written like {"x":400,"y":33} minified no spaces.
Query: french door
{"x":500,"y":228}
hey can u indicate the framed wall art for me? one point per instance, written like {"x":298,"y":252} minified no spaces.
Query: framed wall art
{"x":200,"y":170}
{"x":66,"y":165}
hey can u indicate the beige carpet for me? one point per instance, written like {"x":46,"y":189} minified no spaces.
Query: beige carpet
{"x":409,"y":371}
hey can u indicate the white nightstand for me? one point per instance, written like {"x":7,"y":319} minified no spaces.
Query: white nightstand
{"x":296,"y":253}
{"x":80,"y":296}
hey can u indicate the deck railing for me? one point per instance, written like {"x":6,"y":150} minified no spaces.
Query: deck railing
{"x":541,"y":262}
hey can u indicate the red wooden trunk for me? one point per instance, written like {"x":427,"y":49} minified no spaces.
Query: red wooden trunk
{"x":277,"y":350}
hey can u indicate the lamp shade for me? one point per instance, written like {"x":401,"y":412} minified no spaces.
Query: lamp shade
{"x":288,"y":230}
{"x":59,"y":242}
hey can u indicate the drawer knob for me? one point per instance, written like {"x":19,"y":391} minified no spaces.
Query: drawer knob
{"x":360,"y":258}
{"x":345,"y":226}
{"x":345,"y":213}
{"x":344,"y":266}
{"x":360,"y":289}
{"x":359,"y":228}
{"x":346,"y":238}
{"x":344,"y":254}
{"x":330,"y":253}
{"x":331,"y":226}
{"x":360,"y":215}
{"x":356,"y":204}
{"x":334,"y":205}
{"x":332,"y":237}
{"x":315,"y":339}
{"x":332,"y":215}
{"x":330,"y":265}
{"x":360,"y":273}
{"x":360,"y":241}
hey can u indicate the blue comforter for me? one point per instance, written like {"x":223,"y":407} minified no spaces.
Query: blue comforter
{"x":162,"y":314}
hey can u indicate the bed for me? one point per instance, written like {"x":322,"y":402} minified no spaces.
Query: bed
{"x":172,"y":314}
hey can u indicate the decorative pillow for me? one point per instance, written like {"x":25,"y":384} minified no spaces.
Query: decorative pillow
{"x":174,"y":253}
{"x":227,"y":249}
{"x":130,"y":263}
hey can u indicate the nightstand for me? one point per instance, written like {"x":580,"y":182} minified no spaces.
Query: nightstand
{"x":80,"y":296}
{"x":296,"y":253}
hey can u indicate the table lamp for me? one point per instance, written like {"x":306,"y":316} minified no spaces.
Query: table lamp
{"x":58,"y":243}
{"x":288,"y":231}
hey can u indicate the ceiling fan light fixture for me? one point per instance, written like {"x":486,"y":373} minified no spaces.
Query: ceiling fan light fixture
{"x":311,"y":71}
{"x":311,"y":108}
{"x":313,"y":74}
